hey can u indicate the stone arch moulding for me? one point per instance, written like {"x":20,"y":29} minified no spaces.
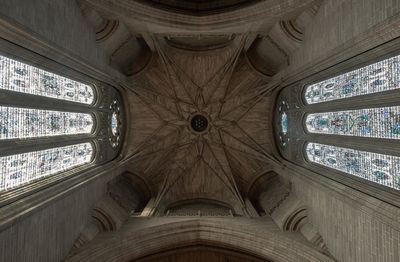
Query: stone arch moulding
{"x":203,"y":207}
{"x":261,"y":10}
{"x":198,"y":252}
{"x":261,"y":238}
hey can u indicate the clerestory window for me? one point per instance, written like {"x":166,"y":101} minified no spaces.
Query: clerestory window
{"x":50,"y":124}
{"x":359,"y":118}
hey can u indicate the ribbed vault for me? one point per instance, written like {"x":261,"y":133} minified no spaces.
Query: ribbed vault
{"x":200,"y":132}
{"x":219,"y":163}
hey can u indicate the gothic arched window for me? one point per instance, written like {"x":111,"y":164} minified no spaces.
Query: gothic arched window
{"x":378,"y":168}
{"x":283,"y":126}
{"x":377,"y":77}
{"x":381,"y":122}
{"x":20,"y":77}
{"x":50,"y":124}
{"x":26,"y":167}
{"x":115,"y":124}
{"x":28,"y":122}
{"x":373,"y":121}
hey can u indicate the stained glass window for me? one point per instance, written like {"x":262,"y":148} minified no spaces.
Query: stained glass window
{"x":378,"y":168}
{"x":115,"y":124}
{"x":23,"y":127}
{"x":26,"y":122}
{"x":381,"y":122}
{"x":26,"y":167}
{"x":377,"y":77}
{"x":20,"y":77}
{"x":284,"y":123}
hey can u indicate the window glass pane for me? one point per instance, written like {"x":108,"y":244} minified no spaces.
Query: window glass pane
{"x":114,"y":123}
{"x":20,"y":77}
{"x":27,"y":122}
{"x":381,"y":122}
{"x":378,"y":168}
{"x":26,"y":167}
{"x":377,"y":77}
{"x":284,"y":123}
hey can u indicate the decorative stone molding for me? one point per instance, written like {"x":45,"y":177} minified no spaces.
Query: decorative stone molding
{"x":108,"y":215}
{"x":104,"y":28}
{"x":291,"y":30}
{"x":142,"y":237}
{"x":200,"y":42}
{"x":199,"y":207}
{"x":199,"y":7}
{"x":160,"y":20}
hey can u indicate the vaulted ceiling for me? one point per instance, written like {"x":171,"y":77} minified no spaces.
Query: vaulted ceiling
{"x":200,"y":107}
{"x":219,"y":163}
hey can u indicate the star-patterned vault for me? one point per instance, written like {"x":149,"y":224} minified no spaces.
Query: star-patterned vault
{"x":219,"y":162}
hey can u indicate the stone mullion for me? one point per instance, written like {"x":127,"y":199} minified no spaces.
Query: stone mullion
{"x":16,"y":146}
{"x":295,"y":152}
{"x":376,"y":145}
{"x":371,"y":144}
{"x":17,"y":99}
{"x":384,"y":99}
{"x":75,"y":70}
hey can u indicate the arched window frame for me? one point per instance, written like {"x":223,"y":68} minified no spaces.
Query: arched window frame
{"x":347,"y":104}
{"x":102,"y":150}
{"x":299,"y":109}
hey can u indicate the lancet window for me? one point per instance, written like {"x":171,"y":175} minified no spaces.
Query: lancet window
{"x":363,"y":119}
{"x":52,"y":124}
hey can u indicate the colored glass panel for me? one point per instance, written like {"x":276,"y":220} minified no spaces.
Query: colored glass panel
{"x":284,"y":123}
{"x":381,"y":122}
{"x":378,"y":77}
{"x":26,"y":122}
{"x":23,"y":168}
{"x":114,"y":124}
{"x":378,"y":168}
{"x":20,"y":77}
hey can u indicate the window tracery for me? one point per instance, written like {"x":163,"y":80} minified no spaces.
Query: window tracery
{"x":69,"y":137}
{"x":20,"y":77}
{"x":115,"y":124}
{"x":27,"y":122}
{"x":378,"y":77}
{"x":374,"y":121}
{"x":382,"y":122}
{"x":378,"y":168}
{"x":26,"y":167}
